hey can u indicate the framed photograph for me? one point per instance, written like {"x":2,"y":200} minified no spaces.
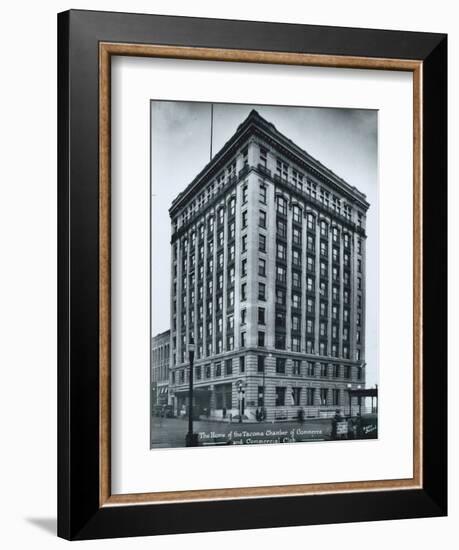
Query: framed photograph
{"x":252,"y":274}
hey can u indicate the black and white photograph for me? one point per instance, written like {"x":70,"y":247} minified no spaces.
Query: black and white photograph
{"x":264,"y":311}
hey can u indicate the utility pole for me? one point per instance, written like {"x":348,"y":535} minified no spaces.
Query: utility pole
{"x":191,"y":438}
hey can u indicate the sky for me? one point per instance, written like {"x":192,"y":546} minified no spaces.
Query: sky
{"x":344,"y":140}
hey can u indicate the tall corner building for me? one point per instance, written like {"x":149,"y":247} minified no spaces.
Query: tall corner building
{"x":267,"y":281}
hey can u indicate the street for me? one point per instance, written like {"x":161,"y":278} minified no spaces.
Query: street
{"x":171,"y":432}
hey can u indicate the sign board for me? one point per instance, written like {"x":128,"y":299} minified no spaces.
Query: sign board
{"x":341,"y":428}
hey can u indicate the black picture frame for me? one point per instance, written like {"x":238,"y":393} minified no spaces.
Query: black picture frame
{"x":80,"y":515}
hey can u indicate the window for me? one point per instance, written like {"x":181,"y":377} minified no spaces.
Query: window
{"x":309,"y":346}
{"x":296,"y":393}
{"x":297,"y":178}
{"x":232,"y":206}
{"x":231,"y":230}
{"x":310,"y":305}
{"x":281,"y":229}
{"x":296,"y":214}
{"x":260,"y":363}
{"x":280,"y":297}
{"x":322,"y":348}
{"x":261,"y":316}
{"x":309,"y":368}
{"x":261,"y":339}
{"x":296,"y":257}
{"x":335,"y":371}
{"x":347,"y":372}
{"x":262,"y":193}
{"x":359,"y":283}
{"x":230,"y":276}
{"x":263,"y":156}
{"x":359,"y":373}
{"x":282,"y":205}
{"x":296,"y":369}
{"x":323,"y":396}
{"x":310,"y":396}
{"x":323,"y":328}
{"x":296,"y":279}
{"x":230,"y":322}
{"x":359,"y":266}
{"x":281,"y":251}
{"x":335,"y":293}
{"x":280,"y":365}
{"x":310,"y":283}
{"x":230,"y":298}
{"x":310,"y":263}
{"x":335,"y":312}
{"x":243,"y":316}
{"x":242,"y":339}
{"x":220,"y":238}
{"x":221,"y":215}
{"x":281,"y":274}
{"x":296,"y":344}
{"x":282,"y":169}
{"x":242,"y":364}
{"x":310,"y":325}
{"x":261,"y":267}
{"x":296,"y":323}
{"x":359,"y":246}
{"x":244,"y":267}
{"x":335,"y":397}
{"x":359,"y":319}
{"x":245,"y":156}
{"x":296,"y":235}
{"x":231,"y":253}
{"x":229,"y":367}
{"x":279,"y":341}
{"x":280,"y":396}
{"x":262,"y":219}
{"x":334,"y":331}
{"x":218,"y":369}
{"x":207,"y":371}
{"x":244,"y":291}
{"x":335,"y":234}
{"x":244,"y":219}
{"x":323,"y":288}
{"x":261,"y":291}
{"x":310,"y":222}
{"x":323,"y":248}
{"x":296,"y":300}
{"x":335,"y":254}
{"x":244,"y":243}
{"x":262,"y":243}
{"x":323,"y":228}
{"x":346,"y":240}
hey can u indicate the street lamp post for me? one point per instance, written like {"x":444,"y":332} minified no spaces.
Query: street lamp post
{"x":349,"y":387}
{"x":191,"y":438}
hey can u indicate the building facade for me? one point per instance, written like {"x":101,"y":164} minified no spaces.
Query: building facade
{"x":267,"y":282}
{"x":160,"y":361}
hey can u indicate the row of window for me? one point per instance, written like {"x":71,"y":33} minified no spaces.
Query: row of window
{"x":298,"y":368}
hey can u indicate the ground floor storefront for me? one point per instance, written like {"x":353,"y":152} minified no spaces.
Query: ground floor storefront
{"x":278,"y":401}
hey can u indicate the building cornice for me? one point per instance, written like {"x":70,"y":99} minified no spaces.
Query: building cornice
{"x":255,"y":124}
